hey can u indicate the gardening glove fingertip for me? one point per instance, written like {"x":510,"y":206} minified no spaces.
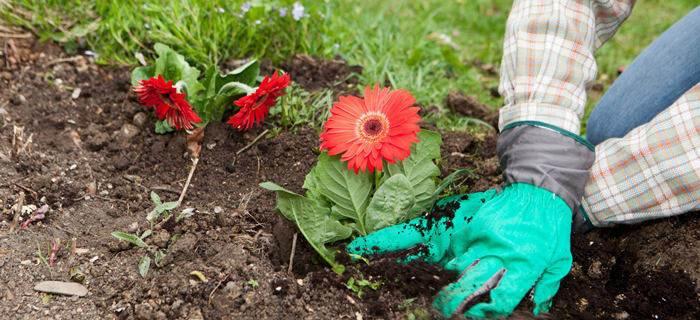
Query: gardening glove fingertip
{"x":390,"y":239}
{"x":548,"y":285}
{"x":474,"y":282}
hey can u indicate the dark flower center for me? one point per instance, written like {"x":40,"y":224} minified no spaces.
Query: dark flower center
{"x":166,"y":99}
{"x":372,"y":127}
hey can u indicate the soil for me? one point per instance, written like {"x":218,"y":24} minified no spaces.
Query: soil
{"x":94,"y":159}
{"x":469,"y":106}
{"x":314,"y":73}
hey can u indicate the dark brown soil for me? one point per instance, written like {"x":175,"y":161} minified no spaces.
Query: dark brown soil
{"x":94,"y":161}
{"x":314,"y":73}
{"x":469,"y":106}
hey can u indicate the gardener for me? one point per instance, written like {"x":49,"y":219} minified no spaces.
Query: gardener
{"x":645,"y":163}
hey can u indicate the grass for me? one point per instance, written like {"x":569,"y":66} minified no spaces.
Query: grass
{"x":428,"y":47}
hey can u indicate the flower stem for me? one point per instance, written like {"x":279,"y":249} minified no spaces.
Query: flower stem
{"x":377,"y":179}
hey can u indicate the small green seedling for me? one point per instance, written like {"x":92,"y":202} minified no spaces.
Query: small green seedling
{"x":359,"y":286}
{"x":160,"y":213}
{"x":253,"y":283}
{"x":161,"y":209}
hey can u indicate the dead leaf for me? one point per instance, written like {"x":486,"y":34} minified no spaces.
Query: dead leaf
{"x":194,"y":142}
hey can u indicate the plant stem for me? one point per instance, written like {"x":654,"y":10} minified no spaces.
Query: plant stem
{"x":187,"y":183}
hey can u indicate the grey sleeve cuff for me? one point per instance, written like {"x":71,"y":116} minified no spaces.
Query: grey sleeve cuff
{"x":546,"y":157}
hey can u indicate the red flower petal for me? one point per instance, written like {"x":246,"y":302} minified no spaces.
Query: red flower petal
{"x":169,"y":104}
{"x":381,"y":127}
{"x":255,"y":107}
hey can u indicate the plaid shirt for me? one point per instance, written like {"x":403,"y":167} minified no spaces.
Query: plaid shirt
{"x":652,"y":172}
{"x":548,"y":63}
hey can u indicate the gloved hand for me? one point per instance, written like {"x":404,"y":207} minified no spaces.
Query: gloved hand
{"x":502,"y":244}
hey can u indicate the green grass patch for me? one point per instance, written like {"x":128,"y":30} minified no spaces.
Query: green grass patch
{"x":428,"y":47}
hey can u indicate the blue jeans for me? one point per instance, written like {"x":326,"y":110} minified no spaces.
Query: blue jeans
{"x":660,"y":75}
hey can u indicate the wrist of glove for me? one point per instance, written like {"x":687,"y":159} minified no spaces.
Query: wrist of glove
{"x":550,"y":158}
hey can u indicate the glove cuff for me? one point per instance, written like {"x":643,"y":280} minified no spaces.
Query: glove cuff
{"x":547,"y":157}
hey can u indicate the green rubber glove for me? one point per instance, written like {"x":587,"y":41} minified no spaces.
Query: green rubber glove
{"x":502,"y":244}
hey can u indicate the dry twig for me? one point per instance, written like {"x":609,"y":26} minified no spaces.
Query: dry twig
{"x":18,"y":211}
{"x":15,"y":35}
{"x":189,"y":179}
{"x":252,"y":143}
{"x":211,"y":294}
{"x":291,"y":255}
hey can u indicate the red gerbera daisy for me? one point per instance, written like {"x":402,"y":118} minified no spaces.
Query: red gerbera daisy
{"x":169,"y":104}
{"x":256,"y":106}
{"x":382,"y":126}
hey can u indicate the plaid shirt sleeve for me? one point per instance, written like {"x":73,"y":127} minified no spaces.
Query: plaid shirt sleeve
{"x":548,"y":58}
{"x":652,"y":172}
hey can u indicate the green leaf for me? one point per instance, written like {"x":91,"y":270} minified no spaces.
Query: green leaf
{"x":421,"y":171}
{"x":282,"y":194}
{"x":163,"y":127}
{"x":390,"y":204}
{"x":313,"y":187}
{"x":349,"y":192}
{"x":141,"y":73}
{"x":169,"y":205}
{"x":130,"y":238}
{"x":223,"y":89}
{"x":313,"y":220}
{"x":155,"y":198}
{"x":449,"y":180}
{"x":173,"y":66}
{"x":144,"y":265}
{"x":146,"y":234}
{"x":246,"y":74}
{"x":216,"y":106}
{"x":153,"y":215}
{"x":158,"y":257}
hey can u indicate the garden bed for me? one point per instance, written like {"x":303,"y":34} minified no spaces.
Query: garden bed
{"x":94,"y":159}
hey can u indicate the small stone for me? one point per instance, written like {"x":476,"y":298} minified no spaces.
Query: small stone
{"x":594,"y":270}
{"x":218,"y":210}
{"x":81,"y":64}
{"x":122,"y":163}
{"x":621,"y":315}
{"x":97,"y":141}
{"x":140,"y":119}
{"x":61,"y":287}
{"x":161,"y":238}
{"x":133,"y":227}
{"x":91,"y":188}
{"x":230,"y":167}
{"x":128,"y":131}
{"x":18,"y":99}
{"x":143,"y":311}
{"x":6,"y":76}
{"x":582,"y":304}
{"x":76,"y":93}
{"x":300,"y":282}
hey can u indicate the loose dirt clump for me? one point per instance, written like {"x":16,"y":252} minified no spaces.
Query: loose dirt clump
{"x":94,"y":159}
{"x":469,"y":106}
{"x":314,"y":73}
